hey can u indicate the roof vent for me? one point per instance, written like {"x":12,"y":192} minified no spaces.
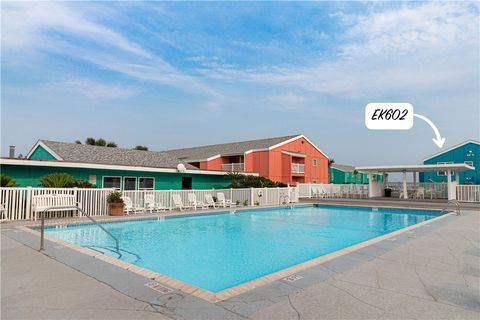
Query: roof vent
{"x":181,"y":168}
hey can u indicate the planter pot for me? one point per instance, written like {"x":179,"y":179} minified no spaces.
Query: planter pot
{"x":116,"y":209}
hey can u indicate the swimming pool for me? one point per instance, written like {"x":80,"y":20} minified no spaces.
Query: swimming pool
{"x":220,"y":251}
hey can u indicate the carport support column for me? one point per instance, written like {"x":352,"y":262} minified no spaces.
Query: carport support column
{"x":414,"y":179}
{"x":405,"y":195}
{"x":370,"y":185}
{"x":450,"y":191}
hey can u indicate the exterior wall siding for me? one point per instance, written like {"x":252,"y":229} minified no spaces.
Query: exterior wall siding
{"x":41,"y":154}
{"x":30,"y":176}
{"x":341,"y":177}
{"x":467,"y":152}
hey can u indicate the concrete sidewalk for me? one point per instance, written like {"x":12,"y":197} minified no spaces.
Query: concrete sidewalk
{"x":34,"y":286}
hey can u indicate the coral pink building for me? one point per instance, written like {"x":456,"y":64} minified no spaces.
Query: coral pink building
{"x":289,"y":159}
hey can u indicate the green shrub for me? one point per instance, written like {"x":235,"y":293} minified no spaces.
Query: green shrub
{"x":57,"y":180}
{"x":83,"y":184}
{"x":244,"y":181}
{"x":6,"y":181}
{"x":114,"y":197}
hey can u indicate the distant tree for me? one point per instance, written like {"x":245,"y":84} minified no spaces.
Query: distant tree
{"x":355,"y":172}
{"x":111,"y":144}
{"x":143,"y":148}
{"x":331,"y":162}
{"x":90,"y":141}
{"x":100,"y":142}
{"x":6,"y":181}
{"x":243,"y":181}
{"x":78,"y":142}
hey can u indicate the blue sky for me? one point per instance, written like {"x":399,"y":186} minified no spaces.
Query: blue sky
{"x":171,"y":74}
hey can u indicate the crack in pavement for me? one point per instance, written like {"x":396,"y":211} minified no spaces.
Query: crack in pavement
{"x":293,"y":307}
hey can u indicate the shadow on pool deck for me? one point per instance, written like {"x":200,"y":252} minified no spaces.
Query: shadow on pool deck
{"x":429,"y":273}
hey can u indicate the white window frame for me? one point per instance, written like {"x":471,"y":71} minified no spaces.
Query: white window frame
{"x":444,"y":173}
{"x":130,"y":177}
{"x":153,"y":188}
{"x":103,"y":181}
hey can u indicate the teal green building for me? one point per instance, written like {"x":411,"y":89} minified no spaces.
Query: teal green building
{"x":343,"y":174}
{"x":467,"y":152}
{"x":107,"y":167}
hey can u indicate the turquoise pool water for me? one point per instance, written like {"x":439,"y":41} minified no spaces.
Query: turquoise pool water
{"x":216,"y":252}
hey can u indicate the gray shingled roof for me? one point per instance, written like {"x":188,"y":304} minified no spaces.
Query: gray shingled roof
{"x":104,"y":155}
{"x":343,"y":167}
{"x":233,"y":148}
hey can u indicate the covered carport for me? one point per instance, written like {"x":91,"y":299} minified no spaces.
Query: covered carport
{"x":377,"y":188}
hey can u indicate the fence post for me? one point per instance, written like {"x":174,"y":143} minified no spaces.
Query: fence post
{"x":231,"y":194}
{"x":29,"y":203}
{"x":251,"y":196}
{"x":265,"y":191}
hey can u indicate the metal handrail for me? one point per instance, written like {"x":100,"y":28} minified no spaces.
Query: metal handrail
{"x":456,"y":203}
{"x":42,"y":230}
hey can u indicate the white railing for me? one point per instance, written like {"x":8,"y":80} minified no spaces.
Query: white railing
{"x":468,"y":193}
{"x":298,"y":168}
{"x":431,"y":190}
{"x":18,"y":201}
{"x":319,"y":190}
{"x":233,"y":167}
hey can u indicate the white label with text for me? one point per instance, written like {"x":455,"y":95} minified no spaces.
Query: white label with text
{"x":389,"y":116}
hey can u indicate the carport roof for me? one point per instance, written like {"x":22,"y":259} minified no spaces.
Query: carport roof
{"x":418,"y":168}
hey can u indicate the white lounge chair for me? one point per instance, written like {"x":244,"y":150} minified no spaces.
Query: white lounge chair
{"x":209,"y":201}
{"x":130,"y":207}
{"x":3,"y":214}
{"x":192,"y":201}
{"x":419,"y":193}
{"x":315,"y":192}
{"x":222,"y":202}
{"x":151,"y":205}
{"x":178,"y":203}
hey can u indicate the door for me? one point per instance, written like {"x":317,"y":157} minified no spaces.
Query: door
{"x":186,"y":183}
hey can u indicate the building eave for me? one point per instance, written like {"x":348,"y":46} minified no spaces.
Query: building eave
{"x":450,"y":149}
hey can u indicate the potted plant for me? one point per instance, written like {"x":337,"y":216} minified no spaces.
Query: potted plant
{"x":116,"y":203}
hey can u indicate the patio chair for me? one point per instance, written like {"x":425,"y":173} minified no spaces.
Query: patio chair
{"x":222,"y":202}
{"x":209,"y":201}
{"x":178,"y":203}
{"x":192,"y":202}
{"x":3,"y":214}
{"x":130,"y":207}
{"x":419,"y":193}
{"x":151,"y":205}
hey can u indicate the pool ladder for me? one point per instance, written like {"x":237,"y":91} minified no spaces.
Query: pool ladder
{"x":457,"y":206}
{"x":42,"y":230}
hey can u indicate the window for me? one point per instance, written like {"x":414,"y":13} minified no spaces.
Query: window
{"x":112,"y":182}
{"x":186,"y":183}
{"x":469,"y":163}
{"x":146,"y":183}
{"x":129,"y":183}
{"x":314,"y":161}
{"x":444,"y":173}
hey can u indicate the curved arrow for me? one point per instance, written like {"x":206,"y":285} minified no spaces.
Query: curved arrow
{"x":438,"y":140}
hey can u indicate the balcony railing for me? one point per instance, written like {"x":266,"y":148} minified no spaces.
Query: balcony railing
{"x":298,"y":168}
{"x":234,"y":167}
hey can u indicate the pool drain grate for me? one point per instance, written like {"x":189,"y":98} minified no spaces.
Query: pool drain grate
{"x":158,"y":287}
{"x":293,"y":278}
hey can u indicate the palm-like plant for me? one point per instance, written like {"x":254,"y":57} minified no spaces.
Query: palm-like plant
{"x":57,"y":180}
{"x":6,"y":181}
{"x":331,"y":162}
{"x":111,"y":144}
{"x":90,"y":141}
{"x":142,"y":148}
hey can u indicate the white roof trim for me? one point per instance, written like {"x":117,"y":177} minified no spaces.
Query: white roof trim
{"x":288,"y":141}
{"x":44,"y":146}
{"x":450,"y":149}
{"x":65,"y":164}
{"x":418,"y":168}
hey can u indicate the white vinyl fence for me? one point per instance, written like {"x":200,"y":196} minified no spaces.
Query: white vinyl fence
{"x":319,"y":190}
{"x":18,"y":201}
{"x":468,"y":193}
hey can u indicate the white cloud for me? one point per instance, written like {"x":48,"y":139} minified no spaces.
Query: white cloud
{"x":422,"y":48}
{"x":92,"y":90}
{"x":29,"y":27}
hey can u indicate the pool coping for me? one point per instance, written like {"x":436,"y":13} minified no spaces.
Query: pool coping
{"x":223,"y":295}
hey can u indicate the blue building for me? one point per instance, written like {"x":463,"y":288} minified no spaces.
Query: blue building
{"x":467,"y":152}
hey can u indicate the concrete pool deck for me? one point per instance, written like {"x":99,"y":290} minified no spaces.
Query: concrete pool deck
{"x":430,"y":272}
